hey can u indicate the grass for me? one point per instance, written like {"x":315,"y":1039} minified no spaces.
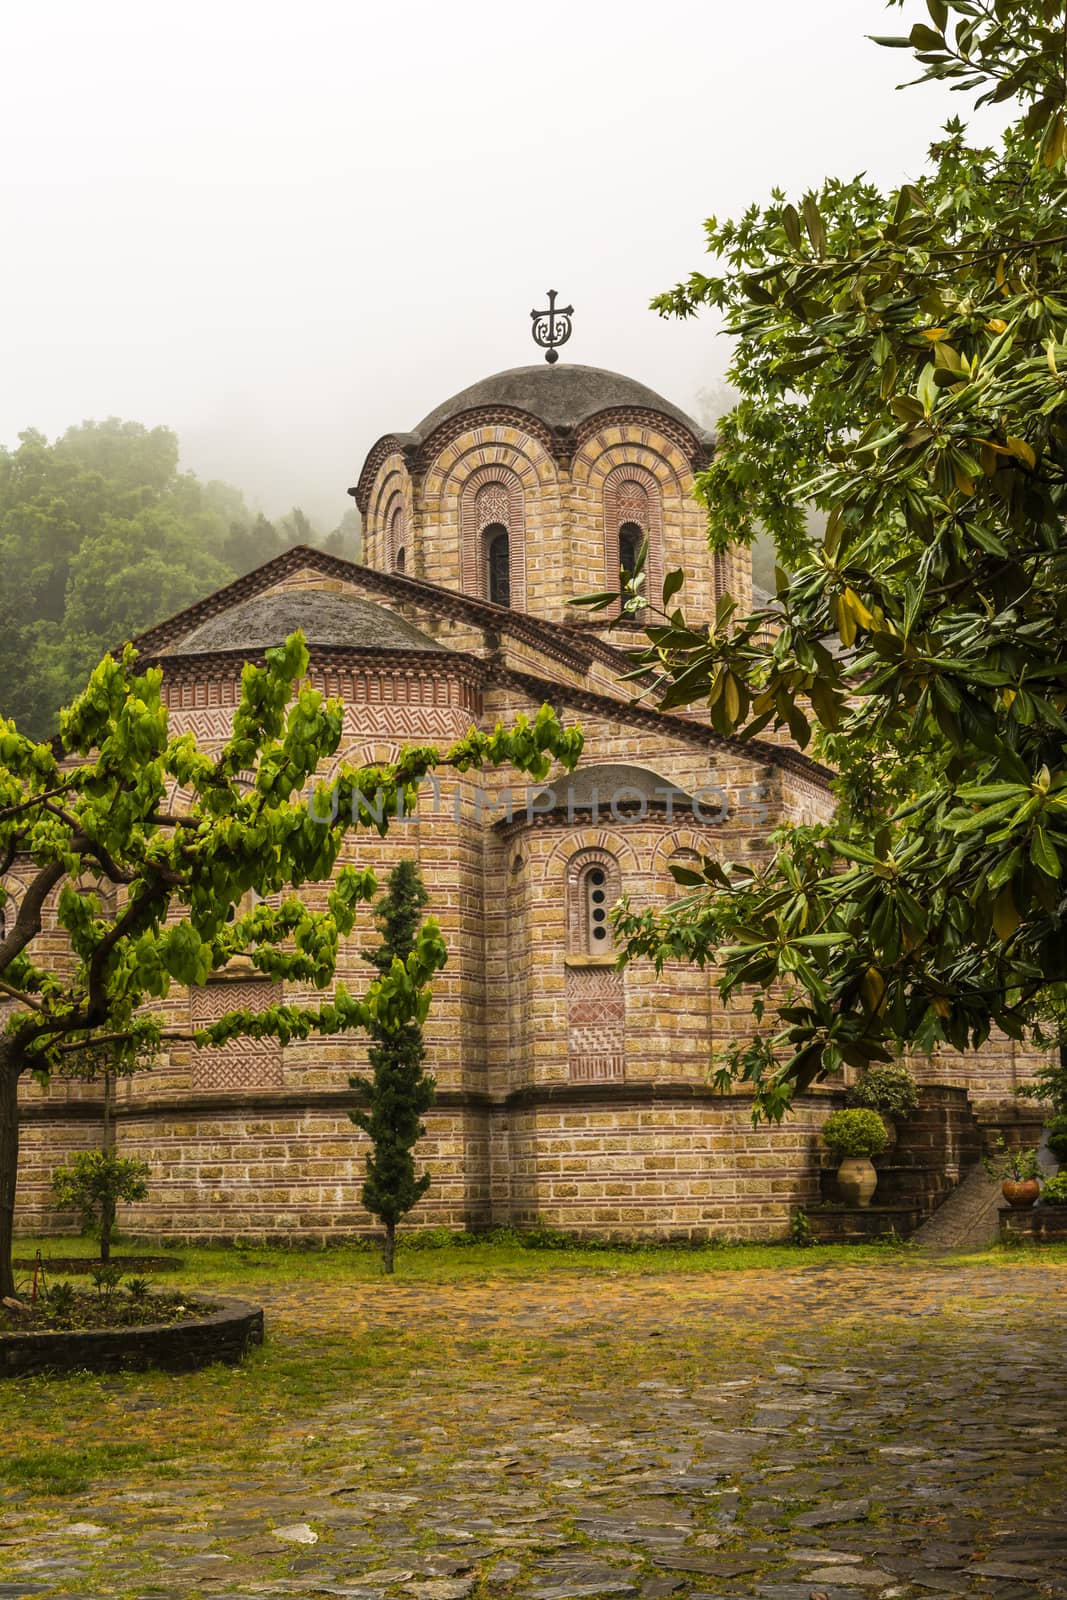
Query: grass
{"x":448,"y":1258}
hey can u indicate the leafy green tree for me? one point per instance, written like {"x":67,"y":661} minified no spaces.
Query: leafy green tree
{"x":399,"y":1091}
{"x":94,"y":1183}
{"x":902,"y":367}
{"x":91,"y":809}
{"x":100,"y":536}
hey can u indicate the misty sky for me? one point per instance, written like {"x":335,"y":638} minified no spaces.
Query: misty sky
{"x":284,"y":230}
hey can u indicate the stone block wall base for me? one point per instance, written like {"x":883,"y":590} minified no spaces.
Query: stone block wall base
{"x":1040,"y":1223}
{"x":860,"y":1224}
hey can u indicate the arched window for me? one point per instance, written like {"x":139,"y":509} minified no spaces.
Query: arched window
{"x":631,"y":538}
{"x":632,"y":516}
{"x":497,"y":547}
{"x":396,"y":538}
{"x":595,"y":884}
{"x":492,"y":528}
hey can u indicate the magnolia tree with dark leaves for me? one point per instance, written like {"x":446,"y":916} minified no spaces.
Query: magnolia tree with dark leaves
{"x":93,"y":809}
{"x":399,"y":1090}
{"x":902,"y":365}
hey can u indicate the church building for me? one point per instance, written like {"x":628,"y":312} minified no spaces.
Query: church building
{"x":570,"y":1091}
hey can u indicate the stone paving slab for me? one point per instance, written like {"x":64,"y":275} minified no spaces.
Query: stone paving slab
{"x":815,"y":1435}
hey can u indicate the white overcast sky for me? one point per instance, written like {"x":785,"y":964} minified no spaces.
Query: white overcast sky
{"x":285,"y":229}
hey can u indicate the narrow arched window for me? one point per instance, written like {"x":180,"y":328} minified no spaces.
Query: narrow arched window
{"x":631,"y":538}
{"x":497,"y":563}
{"x":396,"y":539}
{"x":596,"y":897}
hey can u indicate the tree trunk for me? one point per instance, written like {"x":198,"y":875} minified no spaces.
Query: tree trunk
{"x":9,"y":1166}
{"x":107,"y":1222}
{"x":389,"y":1246}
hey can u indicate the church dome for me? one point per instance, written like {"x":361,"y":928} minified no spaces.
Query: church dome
{"x":325,"y":618}
{"x":562,"y":396}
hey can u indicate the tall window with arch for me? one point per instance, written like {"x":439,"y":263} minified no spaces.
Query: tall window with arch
{"x":492,"y":513}
{"x":594,"y":887}
{"x":397,"y":556}
{"x":596,"y":989}
{"x":630,"y":519}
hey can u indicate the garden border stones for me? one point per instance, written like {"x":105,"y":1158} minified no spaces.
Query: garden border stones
{"x":225,"y":1334}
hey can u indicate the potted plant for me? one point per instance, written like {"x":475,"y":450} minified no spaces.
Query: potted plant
{"x":854,"y":1136}
{"x":888,"y":1088}
{"x":1018,"y":1172}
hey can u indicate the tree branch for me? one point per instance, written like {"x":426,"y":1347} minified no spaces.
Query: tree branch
{"x":17,"y":994}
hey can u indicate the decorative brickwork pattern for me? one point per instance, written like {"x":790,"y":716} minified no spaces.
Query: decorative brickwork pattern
{"x":596,"y":1025}
{"x":243,"y":1063}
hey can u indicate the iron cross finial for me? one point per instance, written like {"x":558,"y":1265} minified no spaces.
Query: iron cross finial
{"x":552,"y":327}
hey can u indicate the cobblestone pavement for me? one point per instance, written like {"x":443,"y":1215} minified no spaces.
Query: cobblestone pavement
{"x":818,"y":1434}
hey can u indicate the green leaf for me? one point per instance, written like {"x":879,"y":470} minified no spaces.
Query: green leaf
{"x":671,"y":585}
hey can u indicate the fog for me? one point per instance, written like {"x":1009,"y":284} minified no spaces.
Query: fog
{"x":283,"y":230}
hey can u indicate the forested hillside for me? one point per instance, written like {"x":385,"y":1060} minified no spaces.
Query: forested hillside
{"x":101,"y":535}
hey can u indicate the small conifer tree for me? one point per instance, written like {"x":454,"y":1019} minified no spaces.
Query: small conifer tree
{"x":399,"y":1091}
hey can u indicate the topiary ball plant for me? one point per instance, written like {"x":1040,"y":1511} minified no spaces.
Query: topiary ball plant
{"x":887,"y":1087}
{"x":855,"y":1132}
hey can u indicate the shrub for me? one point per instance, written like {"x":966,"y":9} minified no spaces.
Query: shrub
{"x":1057,"y":1138}
{"x":1054,"y":1192}
{"x":858,"y":1132}
{"x":888,"y":1087}
{"x":801,"y":1232}
{"x":94,"y":1183}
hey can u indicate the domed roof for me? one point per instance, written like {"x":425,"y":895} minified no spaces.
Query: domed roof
{"x":612,"y":787}
{"x":326,"y":618}
{"x":561,"y":396}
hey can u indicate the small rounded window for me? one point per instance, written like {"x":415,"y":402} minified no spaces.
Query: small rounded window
{"x":596,"y":880}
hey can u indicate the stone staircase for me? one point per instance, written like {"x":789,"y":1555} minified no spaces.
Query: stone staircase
{"x":968,"y":1219}
{"x":938,"y":1149}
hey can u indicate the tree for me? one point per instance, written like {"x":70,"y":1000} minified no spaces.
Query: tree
{"x":100,"y":536}
{"x":94,"y":1183}
{"x":399,"y":1090}
{"x":144,"y":893}
{"x":902,"y":366}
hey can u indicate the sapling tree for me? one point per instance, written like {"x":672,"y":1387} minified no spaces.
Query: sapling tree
{"x":93,"y":807}
{"x":398,"y":1090}
{"x":94,"y":1183}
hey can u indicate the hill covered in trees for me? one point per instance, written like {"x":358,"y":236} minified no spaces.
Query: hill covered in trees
{"x":101,"y":535}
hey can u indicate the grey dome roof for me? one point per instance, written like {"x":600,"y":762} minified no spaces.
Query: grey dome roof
{"x":609,"y":784}
{"x":327,"y":618}
{"x":562,"y":396}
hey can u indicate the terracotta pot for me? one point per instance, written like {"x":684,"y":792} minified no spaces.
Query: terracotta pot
{"x":1020,"y":1192}
{"x":856,"y":1180}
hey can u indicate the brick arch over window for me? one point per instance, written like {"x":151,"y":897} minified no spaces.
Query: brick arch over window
{"x":392,"y":490}
{"x":632,"y":500}
{"x":395,"y":523}
{"x":492,"y":498}
{"x":596,"y":989}
{"x":594,"y":884}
